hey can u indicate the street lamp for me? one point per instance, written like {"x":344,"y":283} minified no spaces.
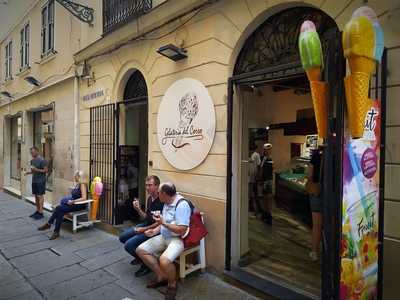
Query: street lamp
{"x":172,"y":52}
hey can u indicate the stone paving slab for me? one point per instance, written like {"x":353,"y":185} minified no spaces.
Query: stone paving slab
{"x":31,"y":295}
{"x":108,"y":292}
{"x":99,"y":249}
{"x":47,"y":261}
{"x":14,"y":289}
{"x":24,"y":241}
{"x":78,"y":285}
{"x":57,"y":276}
{"x":90,"y":264}
{"x":105,"y":260}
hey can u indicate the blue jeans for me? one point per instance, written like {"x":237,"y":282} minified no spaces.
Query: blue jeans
{"x":132,"y":240}
{"x":60,"y":211}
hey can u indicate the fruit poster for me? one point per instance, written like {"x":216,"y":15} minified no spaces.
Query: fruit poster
{"x":359,"y":241}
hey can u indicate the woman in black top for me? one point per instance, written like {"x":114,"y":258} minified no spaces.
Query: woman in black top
{"x":67,"y":205}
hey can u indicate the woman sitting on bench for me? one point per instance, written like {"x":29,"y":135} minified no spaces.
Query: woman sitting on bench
{"x":67,"y":205}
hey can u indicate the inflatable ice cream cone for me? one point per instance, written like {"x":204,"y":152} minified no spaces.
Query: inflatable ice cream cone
{"x":95,"y":207}
{"x":311,"y":59}
{"x":319,"y":95}
{"x":96,"y":188}
{"x":362,"y":46}
{"x":314,"y":74}
{"x":358,"y":102}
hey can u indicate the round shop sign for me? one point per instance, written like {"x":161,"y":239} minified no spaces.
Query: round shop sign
{"x":186,"y":124}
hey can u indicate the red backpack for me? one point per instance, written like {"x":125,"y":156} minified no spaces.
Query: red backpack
{"x":197,"y":229}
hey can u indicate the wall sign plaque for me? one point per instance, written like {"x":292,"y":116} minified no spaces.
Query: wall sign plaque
{"x":186,"y":124}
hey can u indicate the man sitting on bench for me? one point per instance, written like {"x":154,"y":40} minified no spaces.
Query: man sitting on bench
{"x":134,"y":236}
{"x":67,"y":205}
{"x":173,"y":223}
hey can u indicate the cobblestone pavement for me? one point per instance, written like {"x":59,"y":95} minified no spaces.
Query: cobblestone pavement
{"x":90,"y":264}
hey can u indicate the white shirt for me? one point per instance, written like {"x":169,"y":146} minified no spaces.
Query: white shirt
{"x":255,"y":162}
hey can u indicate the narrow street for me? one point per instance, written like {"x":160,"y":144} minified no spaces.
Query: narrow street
{"x":90,"y":264}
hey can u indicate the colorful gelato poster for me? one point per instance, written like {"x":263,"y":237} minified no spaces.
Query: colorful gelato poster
{"x":359,"y":242}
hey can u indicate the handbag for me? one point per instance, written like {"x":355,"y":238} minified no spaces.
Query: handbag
{"x":196,"y":230}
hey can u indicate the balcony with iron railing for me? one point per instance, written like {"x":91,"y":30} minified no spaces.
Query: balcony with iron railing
{"x":117,"y":13}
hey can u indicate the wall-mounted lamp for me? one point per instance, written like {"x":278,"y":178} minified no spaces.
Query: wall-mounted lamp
{"x":6,"y":94}
{"x":32,"y":80}
{"x":172,"y":52}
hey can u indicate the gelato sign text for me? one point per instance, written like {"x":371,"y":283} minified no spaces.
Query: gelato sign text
{"x":186,"y":124}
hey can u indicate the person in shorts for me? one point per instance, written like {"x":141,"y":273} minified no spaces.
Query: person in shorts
{"x":315,"y":175}
{"x":265,"y":183}
{"x":173,"y":224}
{"x":38,"y":170}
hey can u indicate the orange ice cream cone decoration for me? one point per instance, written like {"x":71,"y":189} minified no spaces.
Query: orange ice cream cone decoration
{"x":311,"y":59}
{"x":95,"y":207}
{"x":96,"y":189}
{"x":363,"y":46}
{"x":319,"y":96}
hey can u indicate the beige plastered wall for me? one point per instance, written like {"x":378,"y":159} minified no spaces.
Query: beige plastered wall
{"x":56,"y":75}
{"x":213,"y":39}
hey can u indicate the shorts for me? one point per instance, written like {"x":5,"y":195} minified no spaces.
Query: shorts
{"x":315,"y":204}
{"x":38,"y":188}
{"x":264,"y":187}
{"x":170,"y":248}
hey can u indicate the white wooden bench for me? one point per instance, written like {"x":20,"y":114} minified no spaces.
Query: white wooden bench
{"x":186,"y":268}
{"x":73,"y":216}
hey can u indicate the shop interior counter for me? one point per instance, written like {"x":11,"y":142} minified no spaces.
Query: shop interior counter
{"x":291,"y":194}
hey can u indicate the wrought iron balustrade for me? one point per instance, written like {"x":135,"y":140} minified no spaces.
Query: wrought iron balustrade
{"x":116,"y":13}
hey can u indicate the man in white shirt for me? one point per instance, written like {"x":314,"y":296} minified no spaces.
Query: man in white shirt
{"x":173,"y":224}
{"x":254,"y":165}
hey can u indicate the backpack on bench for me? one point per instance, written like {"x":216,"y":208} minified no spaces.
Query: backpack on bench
{"x":197,"y":230}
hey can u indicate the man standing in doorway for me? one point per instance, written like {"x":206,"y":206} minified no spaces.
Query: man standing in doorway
{"x":38,"y":171}
{"x":265,"y":186}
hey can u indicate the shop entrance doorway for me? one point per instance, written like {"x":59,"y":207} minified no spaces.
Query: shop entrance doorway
{"x":118,"y":151}
{"x":269,"y":104}
{"x":132,"y":147}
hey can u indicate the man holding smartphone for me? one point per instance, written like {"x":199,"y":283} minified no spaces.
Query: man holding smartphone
{"x":38,"y":170}
{"x":133,"y":237}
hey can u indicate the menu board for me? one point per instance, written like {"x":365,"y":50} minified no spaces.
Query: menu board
{"x":359,"y":241}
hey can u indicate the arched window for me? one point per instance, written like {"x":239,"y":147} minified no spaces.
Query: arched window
{"x":135,"y":87}
{"x":275,"y":41}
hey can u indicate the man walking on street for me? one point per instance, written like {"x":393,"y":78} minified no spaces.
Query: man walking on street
{"x":38,"y":171}
{"x":173,"y":224}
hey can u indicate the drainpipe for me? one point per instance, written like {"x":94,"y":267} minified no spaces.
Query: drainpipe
{"x":76,"y":146}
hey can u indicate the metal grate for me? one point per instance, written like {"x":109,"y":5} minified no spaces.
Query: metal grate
{"x":116,"y":13}
{"x":102,"y":161}
{"x":275,"y":41}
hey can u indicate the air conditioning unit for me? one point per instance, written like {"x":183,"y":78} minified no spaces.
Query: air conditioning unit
{"x":48,"y":128}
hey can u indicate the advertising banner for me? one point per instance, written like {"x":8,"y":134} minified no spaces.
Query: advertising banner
{"x":359,"y":241}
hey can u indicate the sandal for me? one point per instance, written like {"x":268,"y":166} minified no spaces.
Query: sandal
{"x":157,"y":284}
{"x":171,"y":293}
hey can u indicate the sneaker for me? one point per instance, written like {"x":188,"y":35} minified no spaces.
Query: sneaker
{"x":313,"y":256}
{"x":267,"y":218}
{"x":144,"y":270}
{"x":38,"y":216}
{"x":54,"y":236}
{"x":34,"y":214}
{"x":45,"y":226}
